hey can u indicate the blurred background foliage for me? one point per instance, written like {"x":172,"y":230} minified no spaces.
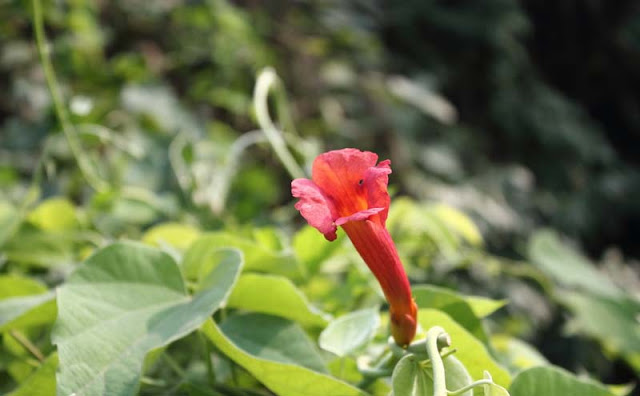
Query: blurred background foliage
{"x":522,"y":115}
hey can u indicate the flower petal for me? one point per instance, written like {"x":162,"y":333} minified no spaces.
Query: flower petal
{"x":339,"y":174}
{"x":361,"y":215}
{"x":315,"y":207}
{"x":375,"y":183}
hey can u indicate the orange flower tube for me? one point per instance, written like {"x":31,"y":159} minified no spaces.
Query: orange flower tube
{"x":348,"y":189}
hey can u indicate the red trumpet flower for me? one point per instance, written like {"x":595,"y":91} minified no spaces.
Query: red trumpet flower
{"x":348,"y":189}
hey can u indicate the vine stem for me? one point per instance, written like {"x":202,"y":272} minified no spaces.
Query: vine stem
{"x":27,"y":344}
{"x":470,"y":386}
{"x":268,"y":79}
{"x":433,"y":335}
{"x":67,"y":127}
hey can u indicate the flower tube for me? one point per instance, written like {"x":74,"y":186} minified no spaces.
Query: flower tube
{"x":348,"y":189}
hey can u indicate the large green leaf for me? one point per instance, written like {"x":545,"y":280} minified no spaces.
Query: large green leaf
{"x":470,"y":351}
{"x":256,"y":257}
{"x":273,"y":338}
{"x":566,"y":266}
{"x":275,"y":295}
{"x":412,"y":377}
{"x":611,"y":321}
{"x":24,"y":303}
{"x":124,"y":301}
{"x":554,"y":381}
{"x":284,"y":379}
{"x":433,"y":297}
{"x":347,"y":333}
{"x":41,"y":382}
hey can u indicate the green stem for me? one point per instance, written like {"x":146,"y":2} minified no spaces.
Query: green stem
{"x":439,"y":385}
{"x":174,"y":365}
{"x":470,"y":386}
{"x":28,"y":345}
{"x":207,"y":358}
{"x":381,"y":369}
{"x":267,"y":79}
{"x":67,"y":127}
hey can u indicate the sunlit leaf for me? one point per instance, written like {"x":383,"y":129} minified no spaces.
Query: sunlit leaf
{"x":493,"y":389}
{"x":282,"y":378}
{"x":311,"y":248}
{"x":41,"y":382}
{"x":414,"y":377}
{"x":483,"y":306}
{"x":256,"y":257}
{"x":470,"y":351}
{"x":460,"y":223}
{"x":124,"y":301}
{"x":24,"y":303}
{"x":452,"y":303}
{"x":176,"y":235}
{"x":275,"y":295}
{"x":55,"y":214}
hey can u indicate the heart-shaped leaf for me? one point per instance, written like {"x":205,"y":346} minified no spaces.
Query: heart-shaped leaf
{"x":124,"y":301}
{"x":350,"y":332}
{"x":413,"y":377}
{"x":284,"y":379}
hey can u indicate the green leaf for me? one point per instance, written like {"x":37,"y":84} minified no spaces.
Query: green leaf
{"x":312,"y":249}
{"x":124,"y":301}
{"x":24,"y":303}
{"x":515,"y":353}
{"x":470,"y":351}
{"x":566,"y":266}
{"x":350,"y":332}
{"x":410,"y":378}
{"x":610,"y":321}
{"x":9,"y":221}
{"x":39,"y":248}
{"x":42,"y":382}
{"x":18,"y":286}
{"x":273,"y":338}
{"x":283,"y":379}
{"x":483,"y":306}
{"x":554,"y":381}
{"x":413,"y":377}
{"x":275,"y":295}
{"x":493,"y":389}
{"x":452,"y":303}
{"x":256,"y":257}
{"x":178,"y":235}
{"x":55,"y":214}
{"x":459,"y":222}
